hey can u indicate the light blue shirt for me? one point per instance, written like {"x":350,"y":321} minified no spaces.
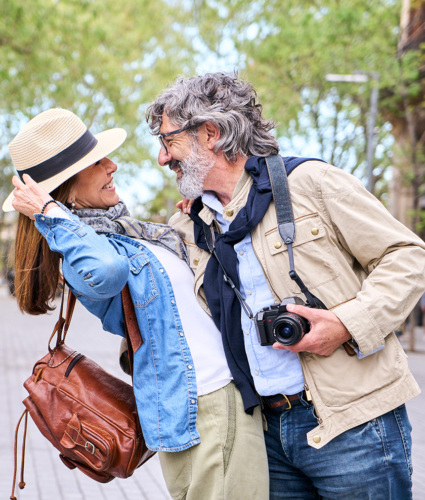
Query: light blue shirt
{"x":273,"y":370}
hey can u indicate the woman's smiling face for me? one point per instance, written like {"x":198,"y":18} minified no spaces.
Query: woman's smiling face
{"x":94,"y":187}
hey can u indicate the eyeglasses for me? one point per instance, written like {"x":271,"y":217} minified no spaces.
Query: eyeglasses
{"x":162,"y":136}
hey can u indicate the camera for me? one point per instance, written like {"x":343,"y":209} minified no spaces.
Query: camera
{"x":276,"y":324}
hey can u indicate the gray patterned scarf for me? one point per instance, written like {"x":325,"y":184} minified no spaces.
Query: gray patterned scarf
{"x":117,"y":220}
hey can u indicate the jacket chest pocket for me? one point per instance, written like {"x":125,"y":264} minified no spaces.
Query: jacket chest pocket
{"x":313,"y":258}
{"x":146,"y":288}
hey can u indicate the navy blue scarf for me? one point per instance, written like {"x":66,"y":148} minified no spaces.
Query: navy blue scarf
{"x":222,"y":301}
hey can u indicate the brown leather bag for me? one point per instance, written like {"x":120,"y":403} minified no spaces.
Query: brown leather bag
{"x":89,"y":415}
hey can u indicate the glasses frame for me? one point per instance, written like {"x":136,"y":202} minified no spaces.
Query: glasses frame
{"x":178,"y":131}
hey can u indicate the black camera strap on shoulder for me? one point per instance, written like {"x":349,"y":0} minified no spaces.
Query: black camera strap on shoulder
{"x":285,"y":221}
{"x":286,"y":227}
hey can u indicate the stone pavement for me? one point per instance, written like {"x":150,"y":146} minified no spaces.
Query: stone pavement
{"x":416,"y":409}
{"x":24,"y":341}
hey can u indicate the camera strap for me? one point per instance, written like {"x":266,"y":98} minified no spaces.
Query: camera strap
{"x":285,"y":221}
{"x":210,"y":239}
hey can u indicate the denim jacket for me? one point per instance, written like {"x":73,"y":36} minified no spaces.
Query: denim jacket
{"x":96,"y":268}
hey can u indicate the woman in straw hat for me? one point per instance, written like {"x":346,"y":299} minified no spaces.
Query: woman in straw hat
{"x":83,"y":221}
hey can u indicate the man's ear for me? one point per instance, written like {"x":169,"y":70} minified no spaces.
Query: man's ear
{"x":212,"y":134}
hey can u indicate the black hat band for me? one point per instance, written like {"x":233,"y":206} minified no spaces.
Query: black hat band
{"x":62,"y":160}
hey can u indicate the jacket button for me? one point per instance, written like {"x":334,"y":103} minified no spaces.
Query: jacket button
{"x":195,"y":262}
{"x":229,"y":212}
{"x":315,"y":231}
{"x":317,"y":439}
{"x":278,"y":244}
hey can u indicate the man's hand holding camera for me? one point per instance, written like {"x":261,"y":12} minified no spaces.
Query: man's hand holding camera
{"x":326,"y":333}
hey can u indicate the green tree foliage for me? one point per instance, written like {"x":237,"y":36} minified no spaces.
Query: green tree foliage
{"x":286,"y":49}
{"x":104,"y":60}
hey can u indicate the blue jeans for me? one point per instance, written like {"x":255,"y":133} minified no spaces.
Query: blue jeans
{"x":371,"y":461}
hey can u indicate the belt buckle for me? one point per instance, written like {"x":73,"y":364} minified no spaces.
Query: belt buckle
{"x":287,"y":400}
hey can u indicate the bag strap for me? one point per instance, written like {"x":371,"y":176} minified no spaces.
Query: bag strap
{"x":134,"y":339}
{"x":15,"y":455}
{"x":69,"y":311}
{"x":132,"y":332}
{"x":62,"y":325}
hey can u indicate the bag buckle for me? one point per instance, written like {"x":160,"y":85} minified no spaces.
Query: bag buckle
{"x":90,"y":447}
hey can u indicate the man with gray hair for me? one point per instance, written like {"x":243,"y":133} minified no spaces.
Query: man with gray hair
{"x":333,"y":403}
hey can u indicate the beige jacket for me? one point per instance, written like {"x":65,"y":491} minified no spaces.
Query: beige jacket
{"x":362,"y":263}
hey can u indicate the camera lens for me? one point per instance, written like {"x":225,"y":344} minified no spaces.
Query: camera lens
{"x":289,"y":328}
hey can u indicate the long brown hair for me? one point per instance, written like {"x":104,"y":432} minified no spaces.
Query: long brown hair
{"x":37,"y":268}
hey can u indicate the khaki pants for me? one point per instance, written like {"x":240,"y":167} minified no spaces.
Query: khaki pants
{"x":230,"y":463}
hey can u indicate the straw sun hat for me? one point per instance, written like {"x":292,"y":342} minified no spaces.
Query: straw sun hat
{"x":55,"y":145}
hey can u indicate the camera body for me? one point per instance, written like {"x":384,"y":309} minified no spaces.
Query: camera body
{"x":276,"y":324}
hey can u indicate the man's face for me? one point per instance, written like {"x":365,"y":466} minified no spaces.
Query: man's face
{"x":190,"y":160}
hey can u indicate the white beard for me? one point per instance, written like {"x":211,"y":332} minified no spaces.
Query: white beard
{"x":194,"y":170}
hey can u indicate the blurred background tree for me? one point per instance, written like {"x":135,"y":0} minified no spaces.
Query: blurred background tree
{"x":287,"y":49}
{"x":106,"y":60}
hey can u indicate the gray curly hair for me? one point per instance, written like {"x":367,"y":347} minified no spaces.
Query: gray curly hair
{"x":224,"y":100}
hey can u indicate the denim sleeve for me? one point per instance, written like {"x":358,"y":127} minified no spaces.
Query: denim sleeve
{"x":92,"y":265}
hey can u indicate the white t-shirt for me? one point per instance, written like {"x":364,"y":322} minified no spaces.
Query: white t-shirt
{"x":203,"y":337}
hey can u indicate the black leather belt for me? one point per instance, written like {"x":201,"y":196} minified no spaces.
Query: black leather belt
{"x":283,"y":402}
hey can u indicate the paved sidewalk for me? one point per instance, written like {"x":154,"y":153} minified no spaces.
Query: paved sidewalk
{"x":24,"y":341}
{"x":416,"y":409}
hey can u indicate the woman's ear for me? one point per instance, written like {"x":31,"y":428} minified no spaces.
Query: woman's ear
{"x":71,"y":197}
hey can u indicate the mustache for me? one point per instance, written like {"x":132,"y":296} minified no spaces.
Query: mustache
{"x":173,"y":164}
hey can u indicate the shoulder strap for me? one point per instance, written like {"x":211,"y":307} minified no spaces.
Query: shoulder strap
{"x":62,"y":325}
{"x":281,"y":197}
{"x":69,"y":312}
{"x":132,"y":333}
{"x":285,"y":220}
{"x":133,"y":337}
